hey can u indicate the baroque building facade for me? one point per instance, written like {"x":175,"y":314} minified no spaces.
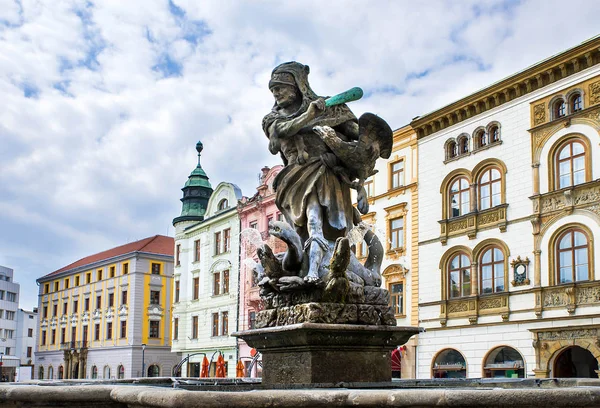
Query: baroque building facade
{"x":255,"y":213}
{"x":107,"y":315}
{"x":206,"y":289}
{"x":508,"y":284}
{"x":393,"y":214}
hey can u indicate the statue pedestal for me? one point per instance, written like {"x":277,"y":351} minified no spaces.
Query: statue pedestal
{"x":310,"y":353}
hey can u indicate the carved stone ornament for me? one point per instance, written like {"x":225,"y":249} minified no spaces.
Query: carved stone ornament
{"x":155,"y":312}
{"x":594,"y":93}
{"x":520,"y":271}
{"x":539,"y":114}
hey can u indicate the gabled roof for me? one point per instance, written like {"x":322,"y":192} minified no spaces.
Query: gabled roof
{"x":158,"y":244}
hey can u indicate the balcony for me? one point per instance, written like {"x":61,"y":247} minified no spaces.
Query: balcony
{"x":471,"y":223}
{"x":73,"y":345}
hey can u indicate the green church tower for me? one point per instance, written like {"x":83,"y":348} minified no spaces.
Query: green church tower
{"x":196,"y":192}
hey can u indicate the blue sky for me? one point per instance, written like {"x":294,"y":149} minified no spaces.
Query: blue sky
{"x":104,"y":101}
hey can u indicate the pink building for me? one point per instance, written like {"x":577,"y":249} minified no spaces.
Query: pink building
{"x":255,"y":212}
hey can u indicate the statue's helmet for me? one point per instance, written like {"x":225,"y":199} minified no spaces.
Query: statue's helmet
{"x":295,"y":74}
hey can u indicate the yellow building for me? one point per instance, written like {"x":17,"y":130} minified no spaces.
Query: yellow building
{"x":108,"y":315}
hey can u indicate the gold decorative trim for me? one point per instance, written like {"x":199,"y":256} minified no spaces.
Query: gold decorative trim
{"x":470,"y":224}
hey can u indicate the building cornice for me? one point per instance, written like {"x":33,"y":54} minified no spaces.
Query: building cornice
{"x":555,"y":68}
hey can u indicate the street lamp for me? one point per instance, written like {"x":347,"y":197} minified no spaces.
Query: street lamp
{"x":143,"y":360}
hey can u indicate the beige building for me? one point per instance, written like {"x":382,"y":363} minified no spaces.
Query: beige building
{"x":107,"y":315}
{"x":509,"y":204}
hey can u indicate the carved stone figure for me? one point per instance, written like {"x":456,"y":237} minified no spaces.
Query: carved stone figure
{"x":327,"y":152}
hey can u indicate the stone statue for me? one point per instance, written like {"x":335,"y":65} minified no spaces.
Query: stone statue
{"x":326,"y":152}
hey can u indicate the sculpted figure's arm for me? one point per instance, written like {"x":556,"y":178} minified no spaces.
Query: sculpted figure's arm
{"x":281,"y":129}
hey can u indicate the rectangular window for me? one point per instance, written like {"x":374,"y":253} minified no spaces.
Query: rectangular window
{"x":369,"y":188}
{"x":154,"y":297}
{"x":155,"y":268}
{"x":397,"y":176}
{"x":66,"y":283}
{"x":109,"y":330}
{"x":77,"y":280}
{"x":10,"y":315}
{"x":196,"y":290}
{"x":98,"y":302}
{"x":86,"y":304}
{"x":217,"y":283}
{"x":124,"y":297}
{"x":176,"y":291}
{"x":215,"y":324}
{"x":279,"y":217}
{"x":88,"y":277}
{"x":56,"y":286}
{"x":217,"y":243}
{"x":194,"y":327}
{"x":125,"y":268}
{"x":111,"y":299}
{"x":123,"y":329}
{"x":197,"y":250}
{"x":73,"y":333}
{"x":226,"y":281}
{"x":99,"y":275}
{"x":46,"y":288}
{"x":226,"y":240}
{"x":154,"y":329}
{"x":7,"y":351}
{"x":254,"y":225}
{"x":55,"y":310}
{"x":111,"y":272}
{"x":75,"y":306}
{"x":63,"y":334}
{"x":397,"y":233}
{"x":177,"y":252}
{"x":251,"y":320}
{"x":45,"y":312}
{"x":175,"y":328}
{"x":9,"y":333}
{"x":97,"y":331}
{"x":85,"y":335}
{"x":29,"y":332}
{"x":53,"y":338}
{"x":43,"y":339}
{"x":11,"y":297}
{"x":224,"y":323}
{"x":65,"y":307}
{"x":397,"y":298}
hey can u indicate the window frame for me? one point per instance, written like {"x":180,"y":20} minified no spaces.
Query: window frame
{"x":395,"y":295}
{"x":557,"y":162}
{"x":490,"y":183}
{"x":481,"y":265}
{"x":572,"y":249}
{"x":397,"y":175}
{"x":398,"y":232}
{"x":154,"y":329}
{"x":461,"y":268}
{"x":449,"y":195}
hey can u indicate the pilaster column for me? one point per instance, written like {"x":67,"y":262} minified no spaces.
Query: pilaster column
{"x":536,"y":178}
{"x":537,"y":268}
{"x":474,"y":279}
{"x":473,"y":194}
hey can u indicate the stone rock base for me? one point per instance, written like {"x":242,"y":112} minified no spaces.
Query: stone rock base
{"x":330,"y":313}
{"x":311,"y":353}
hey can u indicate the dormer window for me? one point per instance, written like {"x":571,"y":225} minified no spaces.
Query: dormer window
{"x":223,"y":204}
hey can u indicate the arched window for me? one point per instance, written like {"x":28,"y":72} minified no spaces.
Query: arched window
{"x":559,"y":109}
{"x":459,"y":197}
{"x":61,"y":372}
{"x":459,"y":276}
{"x":106,"y":372}
{"x":223,"y":204}
{"x":449,"y":363}
{"x":121,"y":371}
{"x":575,"y":102}
{"x":451,"y":150}
{"x":50,"y":372}
{"x":463,"y":144}
{"x":41,"y":373}
{"x":94,"y":372}
{"x":481,"y":138}
{"x":573,"y":256}
{"x":504,"y":362}
{"x":570,"y":164}
{"x":490,"y":189}
{"x":154,"y":371}
{"x":491,"y":270}
{"x":494,"y":133}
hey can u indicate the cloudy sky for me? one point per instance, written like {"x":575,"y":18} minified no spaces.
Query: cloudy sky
{"x":102,"y":102}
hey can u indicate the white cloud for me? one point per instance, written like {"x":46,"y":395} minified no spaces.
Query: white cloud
{"x":102,"y":103}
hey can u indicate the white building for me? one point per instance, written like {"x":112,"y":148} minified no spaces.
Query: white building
{"x":26,"y":336}
{"x":206,"y":275}
{"x":509,"y":204}
{"x":9,"y":304}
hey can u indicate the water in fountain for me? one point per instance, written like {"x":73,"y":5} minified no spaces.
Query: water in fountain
{"x":357,"y":234}
{"x":251,"y":237}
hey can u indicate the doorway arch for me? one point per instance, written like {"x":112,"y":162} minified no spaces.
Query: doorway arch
{"x":575,"y":361}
